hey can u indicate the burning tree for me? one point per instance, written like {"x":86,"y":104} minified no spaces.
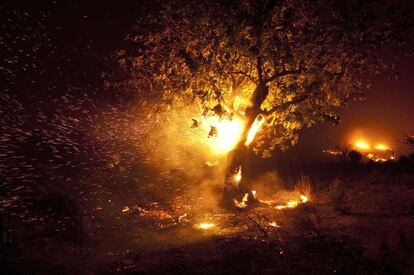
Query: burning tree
{"x":273,"y":66}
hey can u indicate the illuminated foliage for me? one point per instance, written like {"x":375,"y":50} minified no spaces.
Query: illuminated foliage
{"x":296,"y":62}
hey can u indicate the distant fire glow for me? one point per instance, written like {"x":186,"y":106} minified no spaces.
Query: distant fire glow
{"x":377,"y":152}
{"x":362,"y":145}
{"x":381,"y":147}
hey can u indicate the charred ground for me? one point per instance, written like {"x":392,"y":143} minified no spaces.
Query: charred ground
{"x":77,"y":198}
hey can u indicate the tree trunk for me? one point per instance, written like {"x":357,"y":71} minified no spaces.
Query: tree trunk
{"x":238,"y":159}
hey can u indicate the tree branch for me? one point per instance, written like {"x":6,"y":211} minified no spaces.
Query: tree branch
{"x":243,"y":74}
{"x":284,"y":73}
{"x":285,"y":105}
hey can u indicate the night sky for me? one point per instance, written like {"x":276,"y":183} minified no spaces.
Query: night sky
{"x":386,"y":116}
{"x":50,"y":48}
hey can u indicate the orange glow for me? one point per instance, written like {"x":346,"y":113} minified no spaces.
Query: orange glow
{"x":303,"y":198}
{"x":362,"y":145}
{"x":274,"y":224}
{"x":381,"y":147}
{"x":243,"y":202}
{"x":293,"y":203}
{"x":205,"y":226}
{"x":238,"y":176}
{"x":228,"y":135}
{"x":257,"y":124}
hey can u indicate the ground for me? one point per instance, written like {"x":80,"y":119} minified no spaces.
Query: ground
{"x":359,"y":223}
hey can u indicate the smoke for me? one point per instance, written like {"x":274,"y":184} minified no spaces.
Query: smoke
{"x":178,"y":147}
{"x":268,"y":184}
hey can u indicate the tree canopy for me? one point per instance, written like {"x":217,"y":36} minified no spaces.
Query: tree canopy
{"x":296,"y":62}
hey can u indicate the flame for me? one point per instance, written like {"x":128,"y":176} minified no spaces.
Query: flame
{"x":362,"y":145}
{"x":229,"y":133}
{"x":304,"y":198}
{"x":293,"y":203}
{"x":126,"y":209}
{"x":205,"y":225}
{"x":238,"y":176}
{"x":243,"y":203}
{"x":257,"y":124}
{"x":381,"y":147}
{"x":274,"y":224}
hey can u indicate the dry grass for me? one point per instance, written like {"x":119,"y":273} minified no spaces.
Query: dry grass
{"x":303,"y":186}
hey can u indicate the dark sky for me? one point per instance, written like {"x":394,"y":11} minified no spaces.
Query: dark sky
{"x":79,"y":34}
{"x":385,"y":116}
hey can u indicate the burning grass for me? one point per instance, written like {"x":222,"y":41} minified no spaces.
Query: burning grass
{"x":180,"y":232}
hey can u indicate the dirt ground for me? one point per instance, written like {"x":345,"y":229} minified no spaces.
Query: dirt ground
{"x":353,"y":225}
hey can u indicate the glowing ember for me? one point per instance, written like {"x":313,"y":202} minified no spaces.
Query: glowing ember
{"x":333,"y":152}
{"x":243,"y":203}
{"x":362,"y":145}
{"x":303,"y":198}
{"x":274,"y":224}
{"x":211,"y":164}
{"x":227,"y":135}
{"x":205,"y":226}
{"x":182,"y":217}
{"x":257,"y":124}
{"x":126,"y":209}
{"x":381,"y":147}
{"x":238,"y":176}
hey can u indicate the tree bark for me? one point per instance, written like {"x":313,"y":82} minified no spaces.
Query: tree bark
{"x":238,"y":159}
